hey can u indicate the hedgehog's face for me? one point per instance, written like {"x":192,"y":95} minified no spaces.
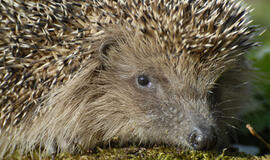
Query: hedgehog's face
{"x":165,"y":105}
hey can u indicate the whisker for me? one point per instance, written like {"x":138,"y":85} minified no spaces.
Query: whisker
{"x":223,"y":102}
{"x":230,"y":125}
{"x":242,"y":84}
{"x":218,"y":112}
{"x":232,"y":108}
{"x":232,"y":117}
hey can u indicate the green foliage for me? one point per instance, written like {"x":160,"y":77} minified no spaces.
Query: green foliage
{"x":260,"y":119}
{"x":261,"y":57}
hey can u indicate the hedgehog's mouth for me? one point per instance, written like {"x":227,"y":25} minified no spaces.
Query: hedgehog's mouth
{"x":200,"y":138}
{"x":204,"y":145}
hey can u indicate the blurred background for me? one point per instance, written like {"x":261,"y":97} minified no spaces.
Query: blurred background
{"x":260,"y":119}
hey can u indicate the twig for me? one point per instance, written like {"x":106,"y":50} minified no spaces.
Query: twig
{"x":254,"y":133}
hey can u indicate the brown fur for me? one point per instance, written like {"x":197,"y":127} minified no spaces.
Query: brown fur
{"x":101,"y":100}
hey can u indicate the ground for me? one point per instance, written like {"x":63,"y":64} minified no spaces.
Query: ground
{"x":134,"y":153}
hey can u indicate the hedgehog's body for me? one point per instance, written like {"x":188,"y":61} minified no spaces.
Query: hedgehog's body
{"x":78,"y":73}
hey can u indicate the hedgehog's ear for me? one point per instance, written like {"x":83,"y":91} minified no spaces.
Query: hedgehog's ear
{"x":105,"y":46}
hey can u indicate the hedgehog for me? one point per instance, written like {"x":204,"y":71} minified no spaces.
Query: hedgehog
{"x":77,"y":74}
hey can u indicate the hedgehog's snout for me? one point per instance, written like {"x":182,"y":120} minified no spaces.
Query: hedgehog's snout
{"x":202,"y":138}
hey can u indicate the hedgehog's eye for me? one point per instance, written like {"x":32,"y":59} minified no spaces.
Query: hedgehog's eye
{"x":144,"y":81}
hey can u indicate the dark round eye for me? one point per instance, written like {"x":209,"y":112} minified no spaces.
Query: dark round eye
{"x":143,"y":81}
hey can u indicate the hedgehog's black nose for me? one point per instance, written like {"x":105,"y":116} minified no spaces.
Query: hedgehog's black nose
{"x":202,"y":138}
